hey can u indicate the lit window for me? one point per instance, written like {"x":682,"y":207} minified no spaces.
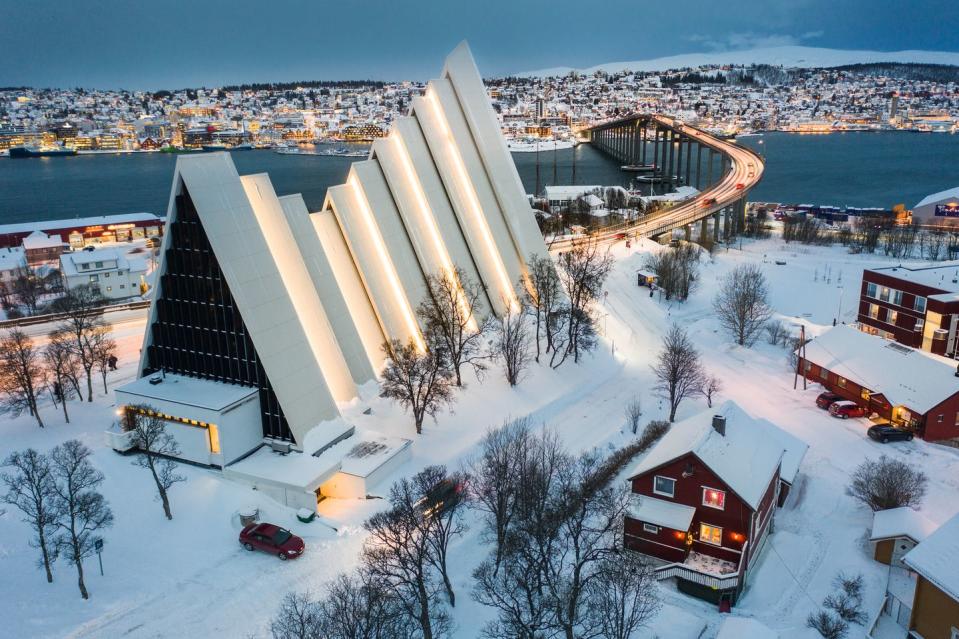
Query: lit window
{"x":841,"y":381}
{"x":664,"y":486}
{"x":884,"y":294}
{"x":711,"y":534}
{"x":651,"y":529}
{"x":873,"y":311}
{"x":865,"y":394}
{"x":891,"y":317}
{"x":714,"y":498}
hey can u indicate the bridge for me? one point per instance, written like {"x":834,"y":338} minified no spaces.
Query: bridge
{"x":667,"y":151}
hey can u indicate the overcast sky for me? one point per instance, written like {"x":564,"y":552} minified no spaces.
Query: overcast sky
{"x":139,"y":44}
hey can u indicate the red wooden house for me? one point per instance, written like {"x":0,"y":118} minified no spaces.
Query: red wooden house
{"x":704,"y":498}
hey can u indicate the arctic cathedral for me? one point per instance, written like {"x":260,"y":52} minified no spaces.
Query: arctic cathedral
{"x":266,"y":316}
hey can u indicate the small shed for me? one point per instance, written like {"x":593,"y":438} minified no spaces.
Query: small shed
{"x":896,"y":531}
{"x":645,"y":278}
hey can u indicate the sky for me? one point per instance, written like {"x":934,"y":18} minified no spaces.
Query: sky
{"x":157,"y":44}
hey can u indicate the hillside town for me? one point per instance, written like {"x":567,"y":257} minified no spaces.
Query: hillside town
{"x":727,"y":100}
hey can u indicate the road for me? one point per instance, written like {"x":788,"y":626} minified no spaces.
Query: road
{"x":746,"y":169}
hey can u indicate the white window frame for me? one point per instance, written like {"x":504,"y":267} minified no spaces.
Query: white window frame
{"x":650,"y":528}
{"x":871,"y":289}
{"x":920,"y":324}
{"x":708,"y":505}
{"x":916,"y":304}
{"x":706,"y":541}
{"x":656,"y":491}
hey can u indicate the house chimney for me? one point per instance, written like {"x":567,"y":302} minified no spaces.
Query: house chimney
{"x":719,"y":424}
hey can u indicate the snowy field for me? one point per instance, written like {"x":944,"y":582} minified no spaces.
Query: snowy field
{"x":190,"y":578}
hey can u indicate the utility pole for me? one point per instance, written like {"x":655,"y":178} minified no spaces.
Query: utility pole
{"x":800,"y":357}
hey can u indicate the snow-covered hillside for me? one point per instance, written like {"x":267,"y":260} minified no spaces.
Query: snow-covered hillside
{"x":787,"y":56}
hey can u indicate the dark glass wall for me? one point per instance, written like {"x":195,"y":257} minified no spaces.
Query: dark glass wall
{"x":198,"y":329}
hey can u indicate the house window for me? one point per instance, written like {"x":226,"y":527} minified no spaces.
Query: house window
{"x":884,"y":294}
{"x":823,"y":373}
{"x":109,"y":288}
{"x":651,"y":529}
{"x":892,"y":316}
{"x":871,"y":290}
{"x":807,"y":366}
{"x":865,"y":394}
{"x":939,"y":419}
{"x":94,"y":278}
{"x":897,"y":298}
{"x":841,"y":381}
{"x":711,"y":534}
{"x":84,"y":266}
{"x":664,"y":486}
{"x":714,"y":498}
{"x":106,"y":275}
{"x":920,"y":323}
{"x":873,"y":311}
{"x":99,"y":264}
{"x":123,"y":286}
{"x":920,"y":304}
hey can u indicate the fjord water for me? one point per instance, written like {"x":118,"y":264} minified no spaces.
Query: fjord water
{"x":845,"y":169}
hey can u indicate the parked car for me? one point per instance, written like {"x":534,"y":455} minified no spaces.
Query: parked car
{"x":825,"y":400}
{"x":272,"y":539}
{"x":886,"y":433}
{"x":441,"y":497}
{"x":845,"y":409}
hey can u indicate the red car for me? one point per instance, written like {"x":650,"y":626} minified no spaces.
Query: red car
{"x":272,"y":539}
{"x":827,"y":399}
{"x":846,"y":409}
{"x":740,"y":186}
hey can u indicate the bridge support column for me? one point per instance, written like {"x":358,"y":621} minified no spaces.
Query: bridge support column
{"x":716,"y":226}
{"x":741,"y":215}
{"x":688,"y":233}
{"x":704,"y":230}
{"x":699,"y":165}
{"x":727,"y":223}
{"x":709,"y":179}
{"x":679,"y":157}
{"x":689,"y":157}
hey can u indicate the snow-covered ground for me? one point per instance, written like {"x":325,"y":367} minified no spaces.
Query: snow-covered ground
{"x":190,"y":578}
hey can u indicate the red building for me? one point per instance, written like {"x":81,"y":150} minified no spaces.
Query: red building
{"x":82,"y":231}
{"x":908,"y":387}
{"x":917,"y":307}
{"x":704,"y":498}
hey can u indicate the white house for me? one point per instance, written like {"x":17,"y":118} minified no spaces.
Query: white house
{"x":109,"y":269}
{"x":13,"y":261}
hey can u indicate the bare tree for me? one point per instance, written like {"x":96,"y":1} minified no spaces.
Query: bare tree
{"x":30,"y":488}
{"x":420,"y":381}
{"x":451,"y":317}
{"x":887,"y":483}
{"x":827,"y":625}
{"x":677,"y":369}
{"x":511,"y":344}
{"x":104,"y":352}
{"x":84,"y":511}
{"x":64,"y":369}
{"x":361,"y":607}
{"x":634,"y":410}
{"x":622,"y":598}
{"x":776,"y":331}
{"x":708,"y":388}
{"x":742,"y":304}
{"x":28,"y":289}
{"x":676,"y":269}
{"x":299,"y":617}
{"x":441,"y":496}
{"x":158,"y":448}
{"x":398,"y":553}
{"x":85,"y":324}
{"x":22,"y":375}
{"x":545,"y":300}
{"x":583,"y":271}
{"x":495,"y":484}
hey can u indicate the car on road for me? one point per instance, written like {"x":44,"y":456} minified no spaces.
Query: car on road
{"x":886,"y":433}
{"x":740,"y":186}
{"x":709,"y":201}
{"x":845,"y":409}
{"x":446,"y":494}
{"x":827,"y":399}
{"x":272,"y":539}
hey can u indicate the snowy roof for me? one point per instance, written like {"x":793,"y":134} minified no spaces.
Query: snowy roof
{"x":739,"y":627}
{"x":900,"y":522}
{"x":936,"y":558}
{"x":567,"y":192}
{"x":905,"y":376}
{"x":948,"y":194}
{"x":745,"y":458}
{"x":190,"y":391}
{"x":664,"y":513}
{"x":12,"y":257}
{"x":40,"y":240}
{"x":943,"y":276}
{"x":370,"y":453}
{"x":592,"y":200}
{"x":295,"y":469}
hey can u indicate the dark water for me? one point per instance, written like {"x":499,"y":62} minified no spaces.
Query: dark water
{"x":853,"y":169}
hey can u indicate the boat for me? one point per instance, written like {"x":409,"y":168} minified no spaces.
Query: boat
{"x":40,"y":152}
{"x":658,"y":179}
{"x":246,"y":146}
{"x":210,"y":148}
{"x":638,"y":168}
{"x":528,"y":145}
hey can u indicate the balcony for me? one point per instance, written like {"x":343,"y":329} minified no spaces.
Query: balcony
{"x":705,"y":570}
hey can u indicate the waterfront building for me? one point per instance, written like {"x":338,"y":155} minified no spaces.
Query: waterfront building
{"x":940,"y":209}
{"x":81,"y":232}
{"x":13,"y":262}
{"x":263,"y":305}
{"x":40,"y":247}
{"x":108,"y":269}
